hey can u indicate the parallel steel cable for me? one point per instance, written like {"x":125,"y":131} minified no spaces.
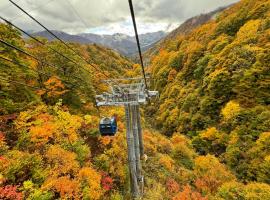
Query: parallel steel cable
{"x":138,"y":41}
{"x":19,"y":64}
{"x":63,"y":42}
{"x":43,"y":43}
{"x":37,"y":71}
{"x":76,"y":13}
{"x":17,"y":82}
{"x":34,"y":57}
{"x":34,"y":9}
{"x":39,"y":41}
{"x":68,"y":46}
{"x":18,"y":49}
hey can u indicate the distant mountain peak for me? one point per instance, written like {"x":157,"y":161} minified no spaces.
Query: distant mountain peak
{"x":120,"y":42}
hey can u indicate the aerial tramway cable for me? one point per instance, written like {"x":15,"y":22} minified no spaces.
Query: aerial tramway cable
{"x":18,"y":49}
{"x":37,"y":40}
{"x":35,"y":58}
{"x":40,"y":42}
{"x":138,"y":41}
{"x":48,"y":75}
{"x":55,"y":36}
{"x":34,"y":9}
{"x":17,"y":82}
{"x":78,"y":15}
{"x":21,"y":65}
{"x":44,"y":44}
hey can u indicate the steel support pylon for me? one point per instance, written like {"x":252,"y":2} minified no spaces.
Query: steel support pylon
{"x":130,"y":95}
{"x":137,"y":146}
{"x":131,"y":153}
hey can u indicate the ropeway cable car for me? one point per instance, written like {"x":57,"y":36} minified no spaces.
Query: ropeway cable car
{"x":108,"y":126}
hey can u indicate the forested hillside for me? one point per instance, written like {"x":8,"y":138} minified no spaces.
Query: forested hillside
{"x":206,"y":138}
{"x":53,"y":76}
{"x":214,"y":88}
{"x":184,"y":29}
{"x":50,"y":147}
{"x":124,"y":44}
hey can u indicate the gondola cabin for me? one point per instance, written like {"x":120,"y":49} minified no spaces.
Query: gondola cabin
{"x":108,"y":126}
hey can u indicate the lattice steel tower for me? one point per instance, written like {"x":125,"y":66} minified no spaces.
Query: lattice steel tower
{"x":130,"y":93}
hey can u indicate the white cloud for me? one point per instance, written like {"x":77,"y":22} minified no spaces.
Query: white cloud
{"x":106,"y":16}
{"x":126,"y":27}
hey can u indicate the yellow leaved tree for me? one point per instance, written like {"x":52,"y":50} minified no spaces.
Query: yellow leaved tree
{"x":231,"y":110}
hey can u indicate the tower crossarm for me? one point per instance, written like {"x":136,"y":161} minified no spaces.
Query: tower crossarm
{"x":125,"y":93}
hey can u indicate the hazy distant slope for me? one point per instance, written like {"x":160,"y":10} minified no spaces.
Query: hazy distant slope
{"x":183,"y":29}
{"x":124,"y":44}
{"x":79,"y":88}
{"x":64,"y":36}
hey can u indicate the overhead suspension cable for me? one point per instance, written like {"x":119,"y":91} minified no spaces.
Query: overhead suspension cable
{"x":138,"y":41}
{"x":17,"y":82}
{"x":38,"y":71}
{"x":78,"y":15}
{"x":34,"y":9}
{"x":44,"y":44}
{"x":19,"y":64}
{"x":32,"y":56}
{"x":39,"y":41}
{"x":18,"y":49}
{"x":55,"y":36}
{"x":84,"y":23}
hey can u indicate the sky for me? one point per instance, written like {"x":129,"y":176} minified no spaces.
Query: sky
{"x":106,"y":16}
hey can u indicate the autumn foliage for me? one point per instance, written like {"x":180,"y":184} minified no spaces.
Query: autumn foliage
{"x":10,"y":192}
{"x":206,"y":137}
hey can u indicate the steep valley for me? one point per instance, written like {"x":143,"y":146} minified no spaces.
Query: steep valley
{"x":206,"y":137}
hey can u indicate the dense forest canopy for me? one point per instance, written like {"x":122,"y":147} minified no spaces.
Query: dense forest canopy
{"x":76,"y":82}
{"x":214,"y":86}
{"x":206,"y":138}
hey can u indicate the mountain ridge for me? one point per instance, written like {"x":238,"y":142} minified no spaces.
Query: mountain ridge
{"x":214,"y":88}
{"x":185,"y":28}
{"x":206,"y":136}
{"x":122,"y":43}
